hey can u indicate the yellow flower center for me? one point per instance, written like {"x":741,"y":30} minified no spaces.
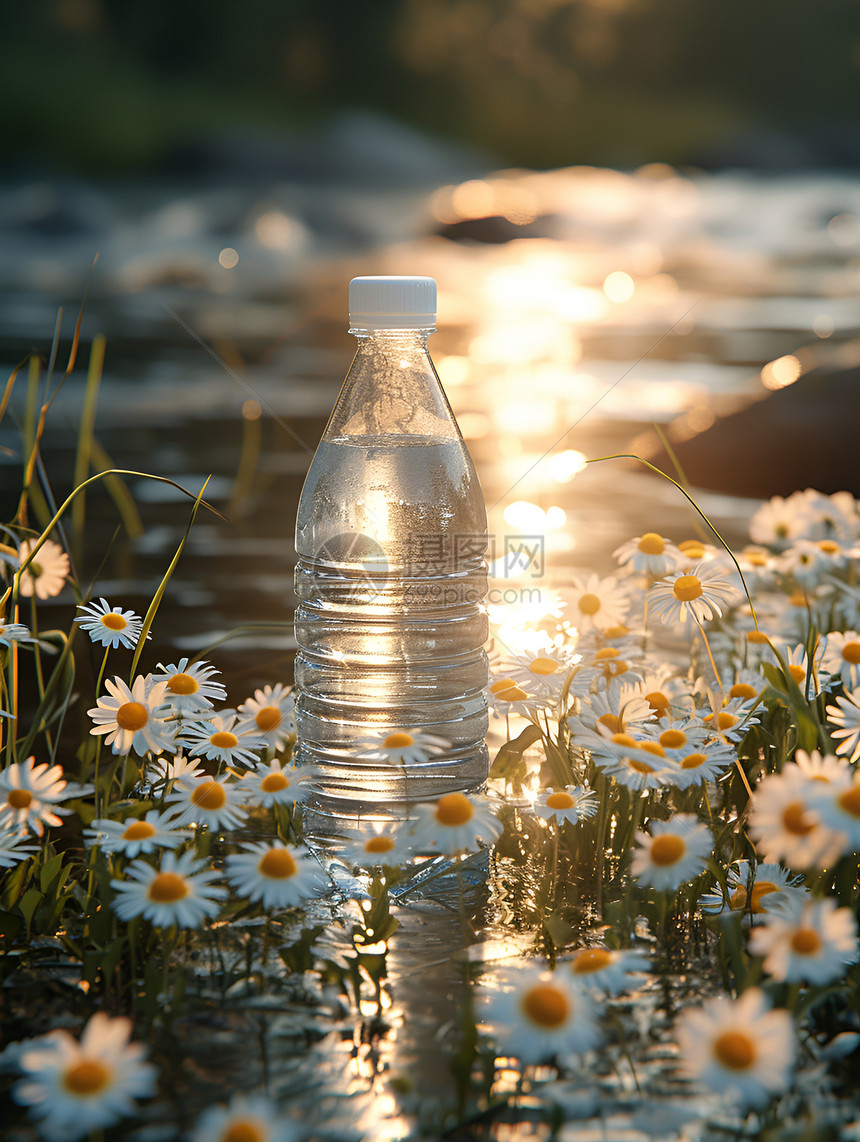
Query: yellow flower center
{"x":694,"y":760}
{"x":795,"y":820}
{"x":589,"y":604}
{"x":606,"y":652}
{"x":454,"y":809}
{"x":806,"y":942}
{"x":268,"y":719}
{"x":139,"y":831}
{"x":739,"y":898}
{"x":588,"y":960}
{"x":735,"y":1050}
{"x":543,"y":666}
{"x":658,"y":701}
{"x":274,"y":783}
{"x":508,"y":691}
{"x":379,"y":845}
{"x":209,"y":795}
{"x":757,"y":637}
{"x":849,"y":800}
{"x":798,"y":599}
{"x":742,"y":690}
{"x":113,"y":621}
{"x":828,"y":547}
{"x":617,"y":631}
{"x":167,"y":888}
{"x":277,"y":864}
{"x":725,"y":720}
{"x":612,"y":722}
{"x":245,"y":1130}
{"x":182,"y":683}
{"x":667,"y":849}
{"x":87,"y":1077}
{"x":132,"y":716}
{"x":625,"y":740}
{"x":673,"y":739}
{"x":756,"y":558}
{"x":546,"y":1005}
{"x":797,"y":672}
{"x":19,"y":798}
{"x":687,"y":587}
{"x":652,"y":544}
{"x":398,"y":741}
{"x":653,"y":747}
{"x":851,"y":652}
{"x":692,"y":548}
{"x":640,"y":766}
{"x":223,"y":739}
{"x":560,"y":800}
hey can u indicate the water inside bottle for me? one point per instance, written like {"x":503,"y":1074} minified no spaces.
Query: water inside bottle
{"x":391,"y":535}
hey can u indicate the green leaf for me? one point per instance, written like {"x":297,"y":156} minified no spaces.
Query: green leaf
{"x":508,"y":763}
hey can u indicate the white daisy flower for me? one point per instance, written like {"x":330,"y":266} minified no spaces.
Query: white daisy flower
{"x":610,"y":663}
{"x":596,"y":602}
{"x":218,"y":804}
{"x":635,"y":762}
{"x":180,"y":892}
{"x":619,"y":710}
{"x":812,"y":941}
{"x":269,"y":715}
{"x":836,"y":804}
{"x":135,"y":835}
{"x":731,"y":718}
{"x":11,"y":848}
{"x":273,"y":874}
{"x":810,"y":682}
{"x":754,"y":889}
{"x":648,"y":554}
{"x":544,"y":671}
{"x":695,"y":551}
{"x":253,"y":1118}
{"x":11,"y":633}
{"x":738,"y":1047}
{"x":608,"y":969}
{"x":818,"y":768}
{"x":406,"y":747}
{"x":831,"y":517}
{"x":537,"y":1016}
{"x":707,"y":762}
{"x":505,"y":697}
{"x":841,"y":655}
{"x":130,"y":718}
{"x":46,"y":574}
{"x":73,"y":1088}
{"x":700,"y":594}
{"x":676,"y":852}
{"x":781,"y":825}
{"x":109,"y":626}
{"x":573,"y":803}
{"x":29,"y":794}
{"x":220,"y":739}
{"x":278,"y":784}
{"x":453,"y":824}
{"x":779,"y":522}
{"x":179,"y":771}
{"x":846,"y":715}
{"x":666,"y":694}
{"x":807,"y":560}
{"x":378,"y":845}
{"x":189,"y":690}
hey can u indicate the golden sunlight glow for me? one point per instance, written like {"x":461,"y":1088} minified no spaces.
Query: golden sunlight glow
{"x":530,"y":518}
{"x":563,"y":466}
{"x":782,"y":372}
{"x":452,"y":370}
{"x":618,"y":286}
{"x":473,"y":199}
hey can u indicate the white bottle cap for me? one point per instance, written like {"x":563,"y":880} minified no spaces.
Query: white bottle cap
{"x":392,"y":303}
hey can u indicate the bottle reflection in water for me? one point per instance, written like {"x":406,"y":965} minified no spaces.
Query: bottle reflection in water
{"x":391,"y":578}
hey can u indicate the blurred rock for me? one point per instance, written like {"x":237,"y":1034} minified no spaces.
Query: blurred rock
{"x":55,"y":208}
{"x":798,"y":437}
{"x":495,"y":229}
{"x":356,"y":148}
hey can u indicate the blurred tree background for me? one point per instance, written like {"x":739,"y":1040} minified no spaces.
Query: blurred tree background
{"x":114,"y":85}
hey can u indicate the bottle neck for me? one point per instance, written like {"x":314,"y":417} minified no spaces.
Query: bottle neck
{"x":392,"y":340}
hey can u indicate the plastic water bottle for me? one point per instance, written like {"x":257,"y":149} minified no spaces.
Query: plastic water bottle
{"x":391,"y":578}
